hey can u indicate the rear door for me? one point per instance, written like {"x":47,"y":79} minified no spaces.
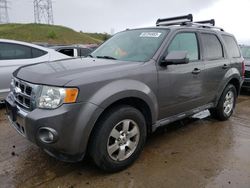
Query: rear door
{"x":233,"y":52}
{"x":216,"y":64}
{"x":180,"y":86}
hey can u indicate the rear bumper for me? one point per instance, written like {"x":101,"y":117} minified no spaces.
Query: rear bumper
{"x":73,"y":124}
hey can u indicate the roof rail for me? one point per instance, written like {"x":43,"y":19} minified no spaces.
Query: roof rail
{"x":174,"y":20}
{"x":188,"y":21}
{"x":203,"y":26}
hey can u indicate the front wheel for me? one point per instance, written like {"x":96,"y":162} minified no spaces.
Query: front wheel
{"x":226,"y":104}
{"x":118,"y":138}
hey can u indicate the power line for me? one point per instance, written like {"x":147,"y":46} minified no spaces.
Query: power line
{"x":4,"y":16}
{"x":43,"y":11}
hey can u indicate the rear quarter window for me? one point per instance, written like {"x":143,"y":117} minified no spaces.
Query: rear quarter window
{"x":232,"y":46}
{"x":38,"y":53}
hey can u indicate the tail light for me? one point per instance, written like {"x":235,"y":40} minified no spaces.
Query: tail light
{"x":243,"y":69}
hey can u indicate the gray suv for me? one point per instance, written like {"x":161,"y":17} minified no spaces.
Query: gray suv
{"x":246,"y":55}
{"x":107,"y":104}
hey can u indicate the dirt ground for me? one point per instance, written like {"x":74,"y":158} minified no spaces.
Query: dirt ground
{"x":190,"y":153}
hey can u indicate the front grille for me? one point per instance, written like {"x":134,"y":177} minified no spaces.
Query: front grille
{"x":247,"y":74}
{"x":246,"y":84}
{"x":23,"y":93}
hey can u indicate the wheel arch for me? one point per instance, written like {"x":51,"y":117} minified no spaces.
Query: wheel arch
{"x":135,"y":102}
{"x":132,"y":93}
{"x":235,"y":80}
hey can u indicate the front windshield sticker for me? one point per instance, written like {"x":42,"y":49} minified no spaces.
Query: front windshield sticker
{"x":150,"y":34}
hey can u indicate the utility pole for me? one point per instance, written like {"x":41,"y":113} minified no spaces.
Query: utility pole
{"x":43,"y":11}
{"x":4,"y":16}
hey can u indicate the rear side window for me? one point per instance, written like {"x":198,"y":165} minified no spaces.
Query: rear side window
{"x":212,"y":46}
{"x":69,"y":52}
{"x":38,"y":53}
{"x":232,"y":46}
{"x":10,"y":51}
{"x":185,"y":42}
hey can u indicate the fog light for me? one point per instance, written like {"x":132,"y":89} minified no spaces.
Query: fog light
{"x":47,"y":135}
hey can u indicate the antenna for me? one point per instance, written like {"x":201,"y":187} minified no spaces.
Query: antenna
{"x":4,"y":16}
{"x":43,"y":11}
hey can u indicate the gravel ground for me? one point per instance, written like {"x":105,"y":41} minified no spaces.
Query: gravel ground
{"x":190,"y":153}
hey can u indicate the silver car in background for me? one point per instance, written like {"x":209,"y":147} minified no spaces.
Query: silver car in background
{"x":14,"y":54}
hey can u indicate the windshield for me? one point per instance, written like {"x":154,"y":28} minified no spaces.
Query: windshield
{"x":132,"y":45}
{"x":246,"y":52}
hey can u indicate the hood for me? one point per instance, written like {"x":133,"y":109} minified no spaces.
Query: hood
{"x":59,"y":73}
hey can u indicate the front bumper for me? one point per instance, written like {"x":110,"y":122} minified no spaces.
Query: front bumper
{"x":72,"y":122}
{"x":246,"y":83}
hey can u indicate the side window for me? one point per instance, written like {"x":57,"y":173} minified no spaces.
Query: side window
{"x":232,"y":46}
{"x":85,"y":52}
{"x":212,"y":46}
{"x":185,"y":42}
{"x":69,"y":52}
{"x":10,"y":51}
{"x":245,"y":52}
{"x":38,"y":53}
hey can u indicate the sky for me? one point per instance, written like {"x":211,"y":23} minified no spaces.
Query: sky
{"x":116,"y":15}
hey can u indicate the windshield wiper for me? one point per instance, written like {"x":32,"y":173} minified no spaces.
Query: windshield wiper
{"x":106,"y":57}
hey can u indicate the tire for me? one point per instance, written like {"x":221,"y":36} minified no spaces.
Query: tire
{"x":125,"y":146}
{"x":226,"y":104}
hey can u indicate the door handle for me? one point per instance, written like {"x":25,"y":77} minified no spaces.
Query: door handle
{"x":225,"y":66}
{"x":196,"y":71}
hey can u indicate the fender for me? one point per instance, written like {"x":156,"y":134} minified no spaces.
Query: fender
{"x":232,"y":73}
{"x":126,"y":88}
{"x":111,"y":93}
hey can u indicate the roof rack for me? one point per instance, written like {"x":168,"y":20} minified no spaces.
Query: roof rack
{"x":188,"y":21}
{"x":211,"y":22}
{"x":174,"y":20}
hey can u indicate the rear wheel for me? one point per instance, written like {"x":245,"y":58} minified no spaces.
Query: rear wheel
{"x":118,"y":139}
{"x":226,"y":104}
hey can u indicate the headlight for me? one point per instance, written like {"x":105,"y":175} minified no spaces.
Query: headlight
{"x":12,"y":84}
{"x":53,"y":97}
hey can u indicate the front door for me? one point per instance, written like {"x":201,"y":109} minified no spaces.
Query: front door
{"x":180,"y":86}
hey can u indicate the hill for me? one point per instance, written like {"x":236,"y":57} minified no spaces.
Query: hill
{"x":51,"y":34}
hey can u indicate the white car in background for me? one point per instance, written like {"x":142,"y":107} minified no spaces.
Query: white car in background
{"x":14,"y":54}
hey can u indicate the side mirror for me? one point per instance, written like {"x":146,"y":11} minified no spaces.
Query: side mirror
{"x":175,"y":58}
